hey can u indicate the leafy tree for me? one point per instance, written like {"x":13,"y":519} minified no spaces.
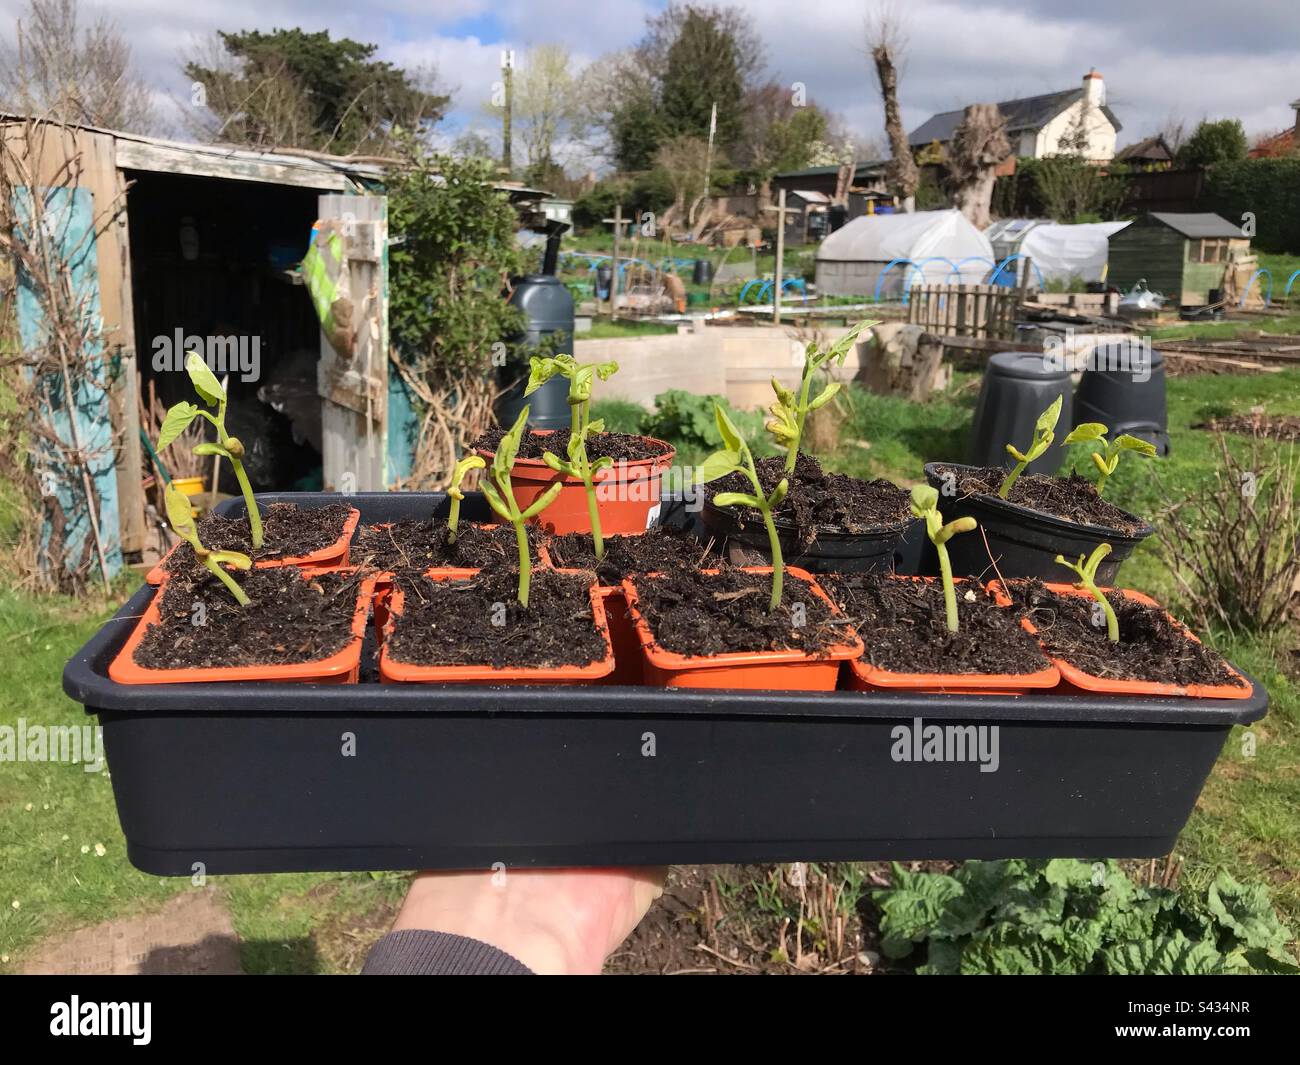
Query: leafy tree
{"x":1223,"y":141}
{"x":702,"y":68}
{"x":291,"y":88}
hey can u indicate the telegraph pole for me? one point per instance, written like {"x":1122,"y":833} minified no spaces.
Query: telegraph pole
{"x":507,"y":79}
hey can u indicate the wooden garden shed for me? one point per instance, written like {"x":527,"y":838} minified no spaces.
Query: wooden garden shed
{"x":1182,"y":256}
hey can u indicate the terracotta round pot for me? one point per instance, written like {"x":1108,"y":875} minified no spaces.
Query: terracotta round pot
{"x":627,"y":494}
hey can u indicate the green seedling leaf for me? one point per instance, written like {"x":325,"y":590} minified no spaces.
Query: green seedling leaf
{"x":596,"y":425}
{"x":231,"y":558}
{"x":727,"y":430}
{"x":1124,"y":442}
{"x":602,"y":463}
{"x":469,"y":462}
{"x":496,"y":502}
{"x":737,"y":499}
{"x":1087,"y":574}
{"x":508,"y":448}
{"x":784,"y":397}
{"x":606,"y":370}
{"x":204,"y":380}
{"x":180,"y":515}
{"x":1086,"y":432}
{"x":558,"y":464}
{"x":719,"y":464}
{"x":925,"y":498}
{"x":211,"y":449}
{"x":176,"y":421}
{"x":542,"y":502}
{"x":827,"y":394}
{"x":1046,"y":424}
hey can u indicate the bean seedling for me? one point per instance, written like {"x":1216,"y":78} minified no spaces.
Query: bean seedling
{"x":925,"y":505}
{"x":789,"y":412}
{"x":735,"y":457}
{"x":180,"y":415}
{"x":581,"y":377}
{"x":182,"y":522}
{"x":500,"y":495}
{"x":1087,"y":574}
{"x":469,"y":462}
{"x":1107,"y":459}
{"x":1044,"y":434}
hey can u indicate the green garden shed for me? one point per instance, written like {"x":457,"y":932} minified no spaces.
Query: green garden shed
{"x":1181,"y":256}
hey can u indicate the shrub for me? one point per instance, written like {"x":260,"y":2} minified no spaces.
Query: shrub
{"x":1231,"y":544}
{"x":1067,"y":917}
{"x":1267,"y":188}
{"x":687,"y":421}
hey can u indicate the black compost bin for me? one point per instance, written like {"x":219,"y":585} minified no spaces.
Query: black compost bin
{"x":254,"y":777}
{"x":548,"y":329}
{"x":1123,"y":387}
{"x":1018,"y":387}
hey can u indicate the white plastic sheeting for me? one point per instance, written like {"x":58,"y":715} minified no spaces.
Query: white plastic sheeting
{"x":850,"y":260}
{"x":1060,"y":252}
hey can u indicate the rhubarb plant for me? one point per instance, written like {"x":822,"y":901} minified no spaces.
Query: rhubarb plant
{"x":790,"y":411}
{"x":735,"y":457}
{"x":1087,"y":574}
{"x":500,"y":495}
{"x":925,"y":505}
{"x":182,"y":522}
{"x":581,"y":377}
{"x":1044,"y":434}
{"x":1107,"y":459}
{"x":457,"y":494}
{"x":178,"y":419}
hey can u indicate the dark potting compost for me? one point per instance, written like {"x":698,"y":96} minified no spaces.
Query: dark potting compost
{"x":1150,"y":648}
{"x":289,"y":620}
{"x":661,"y":549}
{"x":288,"y":531}
{"x":478,"y":621}
{"x":821,"y":501}
{"x":417,"y":545}
{"x":903,"y":625}
{"x":725,"y":612}
{"x":621,"y":447}
{"x":1072,"y":498}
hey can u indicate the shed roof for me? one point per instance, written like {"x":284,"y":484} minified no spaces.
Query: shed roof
{"x":1198,"y":225}
{"x":862,"y":168}
{"x":1029,"y":112}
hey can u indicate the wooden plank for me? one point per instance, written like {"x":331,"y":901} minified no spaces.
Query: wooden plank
{"x":354,"y":386}
{"x":231,"y":164}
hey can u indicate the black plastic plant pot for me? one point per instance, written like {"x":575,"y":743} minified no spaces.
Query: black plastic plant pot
{"x":258,"y":778}
{"x":1024,"y":542}
{"x":832,"y":552}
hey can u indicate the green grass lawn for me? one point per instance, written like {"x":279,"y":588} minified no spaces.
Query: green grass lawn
{"x":56,"y":819}
{"x":1248,"y":819}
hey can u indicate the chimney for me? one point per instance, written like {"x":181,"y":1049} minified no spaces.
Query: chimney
{"x":1296,"y":105}
{"x":1094,"y":89}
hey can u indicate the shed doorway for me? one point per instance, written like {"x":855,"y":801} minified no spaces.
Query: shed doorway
{"x":214,"y":266}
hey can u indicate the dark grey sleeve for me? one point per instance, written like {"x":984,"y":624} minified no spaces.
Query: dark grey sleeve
{"x":415,"y":952}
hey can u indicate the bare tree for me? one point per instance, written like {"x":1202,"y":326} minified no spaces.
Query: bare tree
{"x":546,"y":107}
{"x":1174,"y":131}
{"x":62,"y":67}
{"x":979,"y":146}
{"x":887,"y":43}
{"x":685,"y":159}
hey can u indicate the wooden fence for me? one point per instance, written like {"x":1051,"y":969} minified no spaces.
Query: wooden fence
{"x":965,"y":310}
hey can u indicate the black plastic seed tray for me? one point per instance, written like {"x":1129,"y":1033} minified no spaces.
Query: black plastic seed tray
{"x":285,"y":777}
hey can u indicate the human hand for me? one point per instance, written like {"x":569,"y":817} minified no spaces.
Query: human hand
{"x":553,"y":920}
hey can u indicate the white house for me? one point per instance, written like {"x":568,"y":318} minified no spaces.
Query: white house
{"x":1051,"y":124}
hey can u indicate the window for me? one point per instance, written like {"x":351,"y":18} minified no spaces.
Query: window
{"x":1210,"y":251}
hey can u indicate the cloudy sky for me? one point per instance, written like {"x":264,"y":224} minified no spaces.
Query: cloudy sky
{"x":1161,"y":60}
